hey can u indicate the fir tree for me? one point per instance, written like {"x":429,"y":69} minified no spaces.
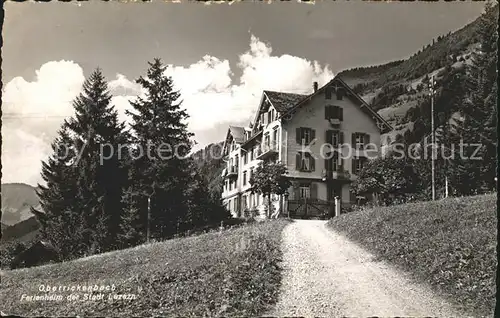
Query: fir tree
{"x":81,"y":201}
{"x":57,"y":197}
{"x":160,"y":132}
{"x":479,"y":105}
{"x":102,"y":176}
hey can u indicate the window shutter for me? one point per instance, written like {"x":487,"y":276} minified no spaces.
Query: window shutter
{"x":313,"y":134}
{"x":341,"y":137}
{"x":312,"y":162}
{"x":313,"y":190}
{"x":354,"y":162}
{"x":328,"y":93}
{"x":298,"y":161}
{"x":327,"y":112}
{"x":328,"y":137}
{"x":341,"y":114}
{"x":327,"y":165}
{"x":353,"y":140}
{"x":298,"y":136}
{"x":340,"y":93}
{"x":367,"y":139}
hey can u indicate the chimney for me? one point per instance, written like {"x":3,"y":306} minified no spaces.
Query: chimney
{"x":315,"y":87}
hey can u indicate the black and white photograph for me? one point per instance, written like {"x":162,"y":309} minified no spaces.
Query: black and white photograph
{"x":249,"y":158}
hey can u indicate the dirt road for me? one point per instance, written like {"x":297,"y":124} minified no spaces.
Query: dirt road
{"x":327,"y":275}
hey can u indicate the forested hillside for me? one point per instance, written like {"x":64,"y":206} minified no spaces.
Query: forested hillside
{"x":210,"y":164}
{"x":399,"y":90}
{"x":463,"y":65}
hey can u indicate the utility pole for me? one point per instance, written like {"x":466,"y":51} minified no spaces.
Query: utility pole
{"x":149,"y":195}
{"x":432,"y":137}
{"x":446,"y":186}
{"x":149,"y":217}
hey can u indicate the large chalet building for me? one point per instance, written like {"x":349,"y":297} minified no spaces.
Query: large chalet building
{"x":304,"y":133}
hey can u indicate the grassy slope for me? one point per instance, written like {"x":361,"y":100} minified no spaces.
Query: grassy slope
{"x":450,"y":244}
{"x":235,"y":272}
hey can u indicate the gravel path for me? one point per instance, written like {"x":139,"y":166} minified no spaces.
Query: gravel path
{"x":327,"y":275}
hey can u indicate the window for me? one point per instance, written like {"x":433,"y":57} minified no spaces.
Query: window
{"x":245,"y":159}
{"x":304,"y":162}
{"x":275,"y":136}
{"x":305,"y":135}
{"x":266,"y":139}
{"x":304,"y":192}
{"x":340,"y":93}
{"x":359,"y":140}
{"x":235,"y":205}
{"x":244,"y":202}
{"x":328,"y":93}
{"x":236,"y":161}
{"x":333,"y":163}
{"x":358,"y":164}
{"x":334,"y":137}
{"x":244,"y":178}
{"x":334,"y":112}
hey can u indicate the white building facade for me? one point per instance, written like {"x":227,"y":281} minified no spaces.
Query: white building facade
{"x":322,"y":138}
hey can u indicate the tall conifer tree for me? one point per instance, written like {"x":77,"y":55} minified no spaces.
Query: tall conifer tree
{"x":92,"y":180}
{"x":160,"y":169}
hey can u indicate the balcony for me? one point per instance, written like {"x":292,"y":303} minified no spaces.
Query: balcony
{"x":232,"y":172}
{"x":335,"y":175}
{"x":335,"y":123}
{"x":267,"y":151}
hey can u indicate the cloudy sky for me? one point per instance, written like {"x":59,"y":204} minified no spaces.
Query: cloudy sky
{"x":220,"y":56}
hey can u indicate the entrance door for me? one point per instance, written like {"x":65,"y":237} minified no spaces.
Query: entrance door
{"x":334,"y":189}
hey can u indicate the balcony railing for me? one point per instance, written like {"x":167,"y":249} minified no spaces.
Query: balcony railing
{"x":266,"y":151}
{"x":232,"y":172}
{"x":335,"y":175}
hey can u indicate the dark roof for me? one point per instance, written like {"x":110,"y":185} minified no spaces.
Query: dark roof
{"x":238,"y":133}
{"x":383,"y":125}
{"x":284,"y":101}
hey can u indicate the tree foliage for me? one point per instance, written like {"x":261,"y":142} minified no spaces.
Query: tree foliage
{"x":84,"y":178}
{"x":270,"y":178}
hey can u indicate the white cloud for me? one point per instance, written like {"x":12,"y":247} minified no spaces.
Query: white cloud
{"x":209,"y":92}
{"x":212,"y":99}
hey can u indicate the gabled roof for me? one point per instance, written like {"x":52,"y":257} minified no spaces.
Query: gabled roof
{"x":283,"y":101}
{"x":238,"y":133}
{"x":383,"y":125}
